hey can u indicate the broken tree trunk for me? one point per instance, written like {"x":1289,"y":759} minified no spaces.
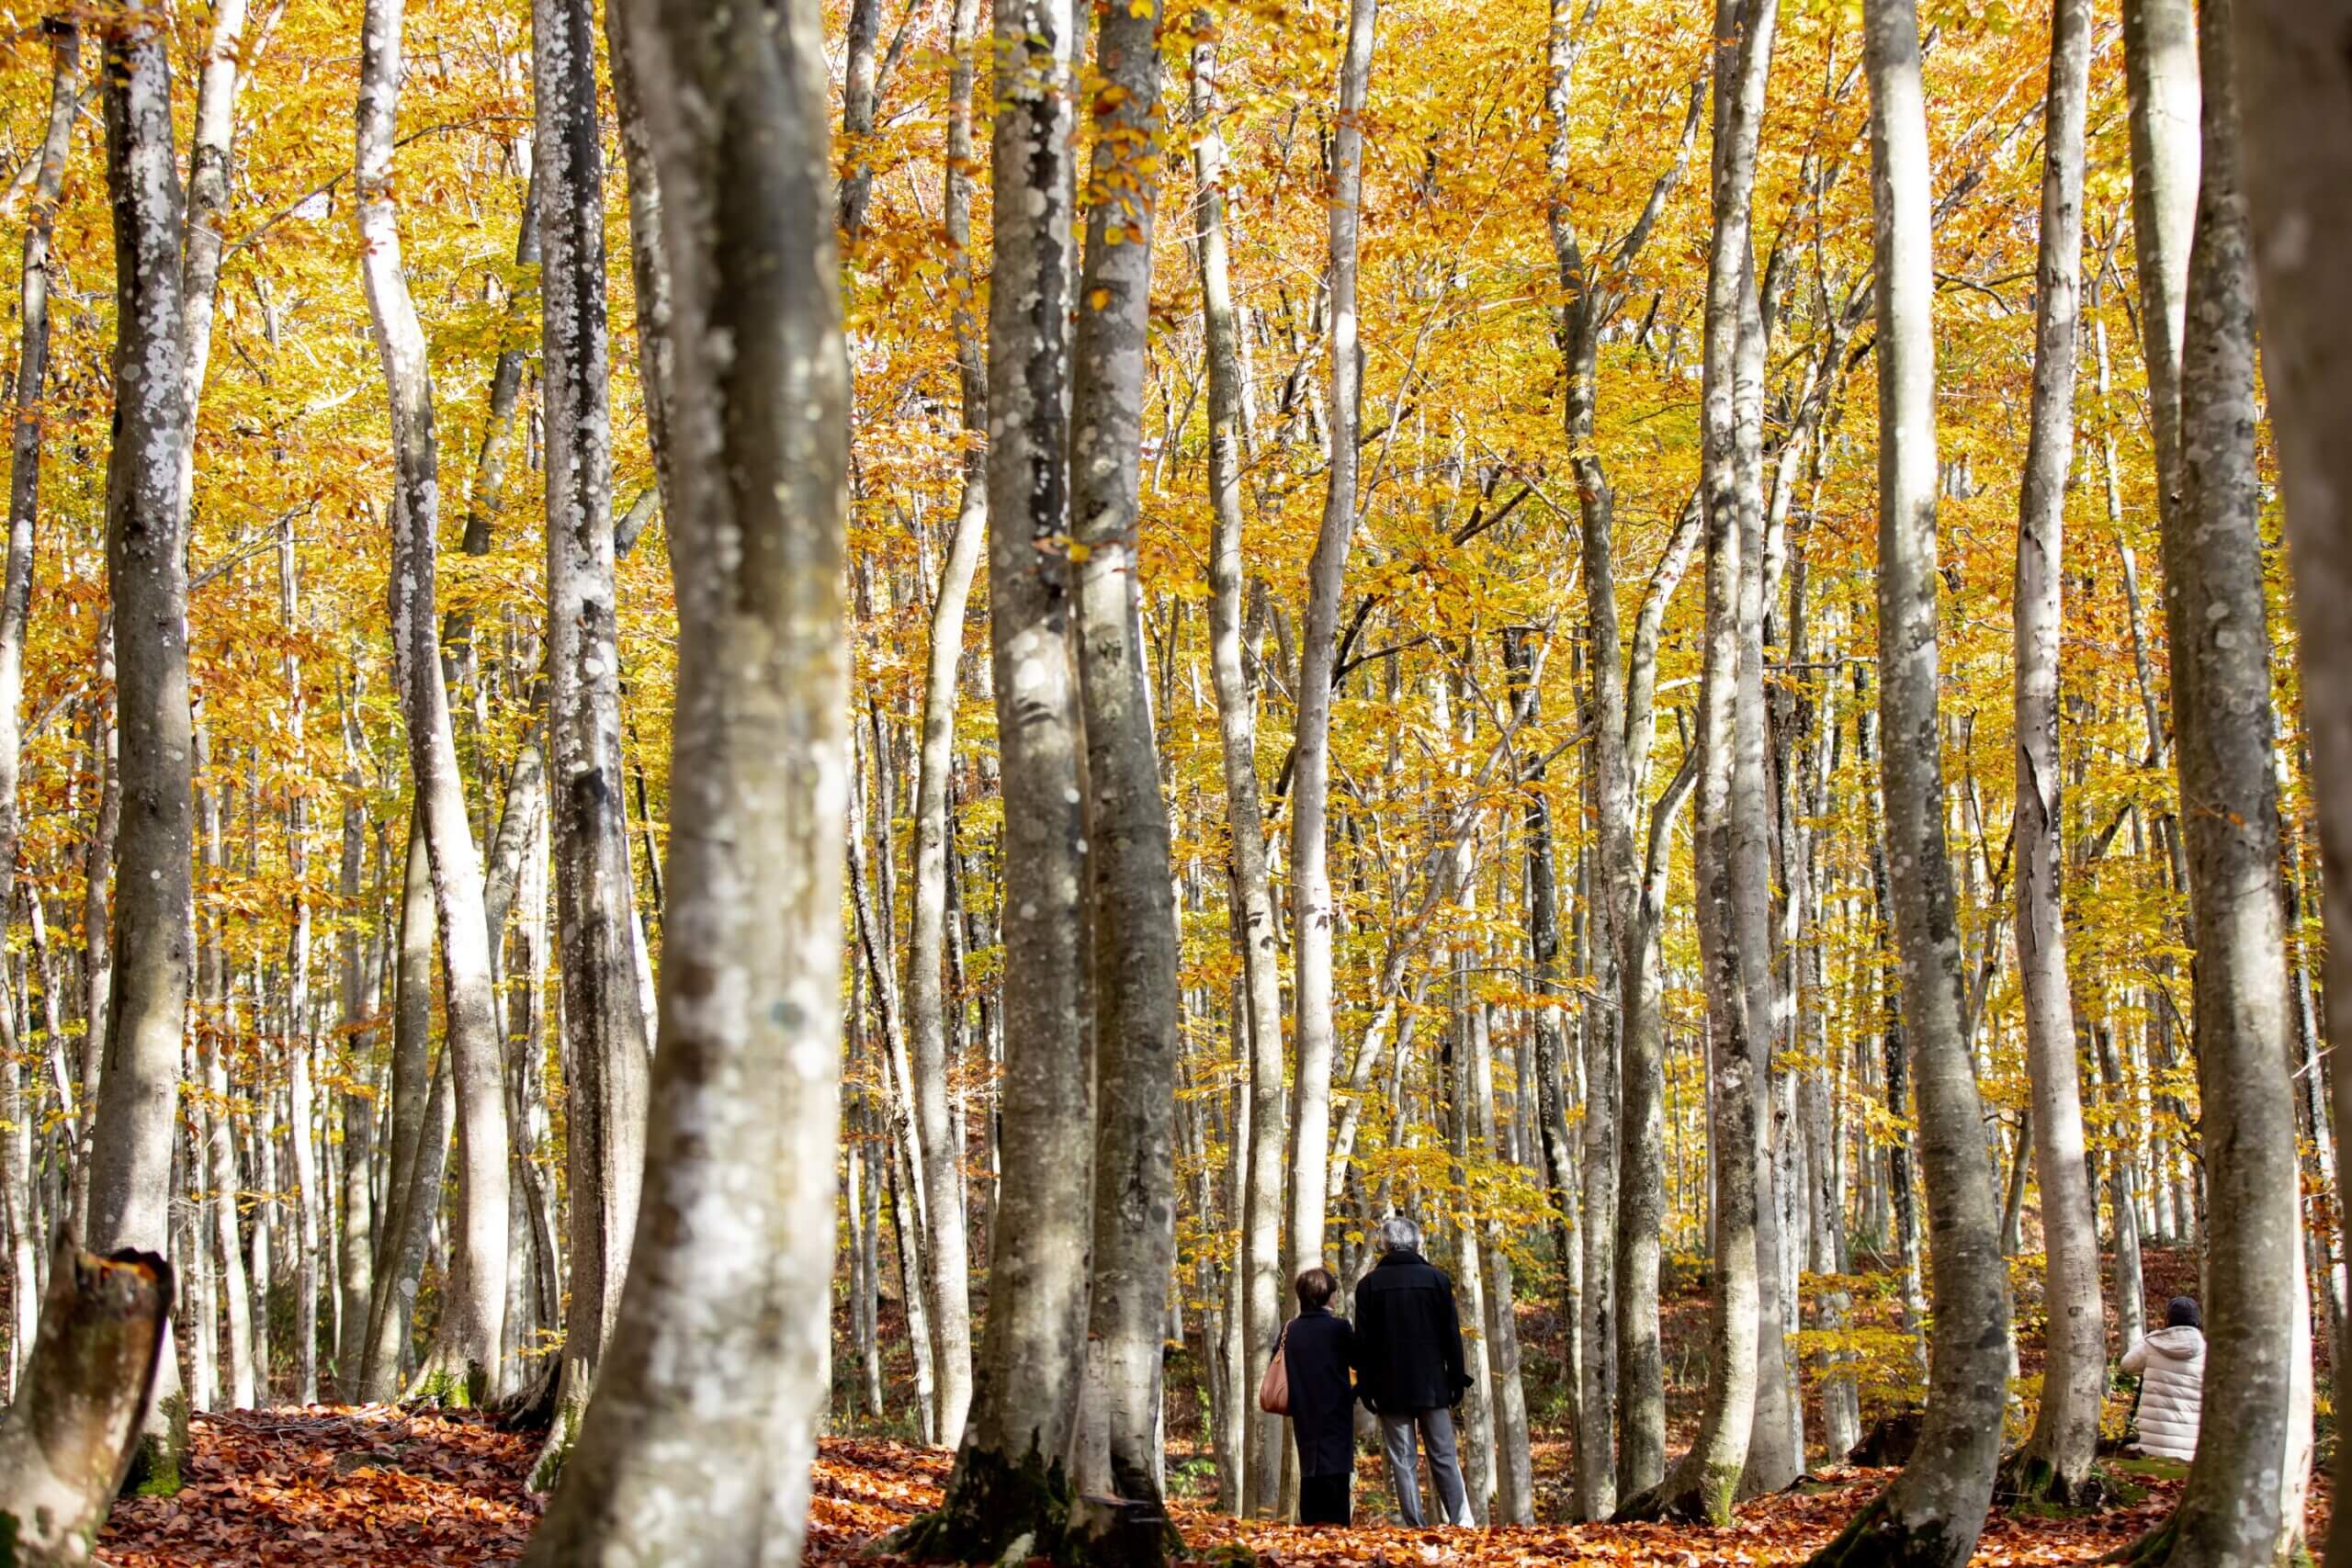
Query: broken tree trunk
{"x":67,"y":1441}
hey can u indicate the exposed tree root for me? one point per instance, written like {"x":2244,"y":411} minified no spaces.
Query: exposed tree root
{"x":531,"y":1408}
{"x":1692,"y":1493}
{"x":1875,"y":1537}
{"x":2028,"y":1479}
{"x":993,"y":1506}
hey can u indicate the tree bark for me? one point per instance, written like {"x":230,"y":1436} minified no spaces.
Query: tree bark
{"x":604,"y":1051}
{"x":2295,"y":82}
{"x":25,"y":431}
{"x":1009,"y":1481}
{"x":2231,"y":1511}
{"x":69,"y":1438}
{"x":474,"y":1324}
{"x":2161,"y":71}
{"x":926,"y":1002}
{"x":2056,"y":1461}
{"x":697,"y":1444}
{"x":147,"y":576}
{"x":1932,"y":1513}
{"x":1702,"y":1486}
{"x":1257,"y":928}
{"x":1312,"y":914}
{"x":1136,"y":1038}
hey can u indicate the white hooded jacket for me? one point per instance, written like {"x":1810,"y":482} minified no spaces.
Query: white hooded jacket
{"x":2171,"y":1366}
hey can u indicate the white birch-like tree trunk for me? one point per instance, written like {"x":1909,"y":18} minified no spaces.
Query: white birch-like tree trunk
{"x":2250,"y":1458}
{"x":1930,"y":1516}
{"x":2056,"y":1461}
{"x":472,"y":1334}
{"x":696,"y":1444}
{"x":1257,"y":928}
{"x":604,"y":1049}
{"x":926,"y":1002}
{"x":1317,"y":1036}
{"x":1137,"y":1041}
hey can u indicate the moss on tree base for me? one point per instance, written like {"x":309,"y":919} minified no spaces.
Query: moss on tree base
{"x":1691,"y":1495}
{"x":2028,"y":1482}
{"x":1876,"y":1538}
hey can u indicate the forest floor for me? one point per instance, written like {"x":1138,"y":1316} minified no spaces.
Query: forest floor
{"x":379,"y":1485}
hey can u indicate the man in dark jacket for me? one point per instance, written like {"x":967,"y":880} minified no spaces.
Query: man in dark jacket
{"x":1408,"y":1344}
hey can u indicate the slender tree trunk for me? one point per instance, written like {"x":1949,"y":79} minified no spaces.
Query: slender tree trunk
{"x":2295,"y":79}
{"x":25,"y":441}
{"x":1702,"y":1487}
{"x":1931,"y":1515}
{"x":2221,"y":705}
{"x":356,"y":1237}
{"x":943,"y":1154}
{"x":603,"y":1017}
{"x":2160,"y":64}
{"x":147,"y":573}
{"x":419,"y":1141}
{"x":648,"y":258}
{"x":1257,"y":928}
{"x":2056,"y":1461}
{"x":697,"y":1445}
{"x":1136,"y":1041}
{"x":474,"y":1324}
{"x":1312,"y":914}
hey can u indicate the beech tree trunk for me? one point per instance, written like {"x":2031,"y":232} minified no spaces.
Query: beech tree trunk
{"x":2295,"y":80}
{"x":604,"y":1017}
{"x":1702,"y":1486}
{"x":696,"y":1445}
{"x":2056,"y":1461}
{"x":1312,"y":914}
{"x":25,"y":435}
{"x":1136,"y":1038}
{"x":1009,"y":1482}
{"x":147,"y":577}
{"x":1930,"y":1517}
{"x":69,"y":1438}
{"x":926,"y":1000}
{"x":473,"y":1324}
{"x":1257,"y":928}
{"x":2247,"y":1450}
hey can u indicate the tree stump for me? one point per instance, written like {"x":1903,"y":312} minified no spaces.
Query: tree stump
{"x":67,"y":1442}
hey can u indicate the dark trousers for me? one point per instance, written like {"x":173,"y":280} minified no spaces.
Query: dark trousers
{"x":1323,"y":1500}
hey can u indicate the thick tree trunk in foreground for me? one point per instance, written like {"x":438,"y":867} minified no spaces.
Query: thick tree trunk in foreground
{"x":696,"y":1445}
{"x":1008,"y":1480}
{"x":70,"y":1436}
{"x":2230,"y":1513}
{"x":1931,"y":1515}
{"x":2056,"y":1461}
{"x":2296,"y":99}
{"x":473,"y":1328}
{"x":604,"y":1017}
{"x":926,"y":1002}
{"x":147,"y":575}
{"x":1701,"y":1485}
{"x":1136,"y":1039}
{"x":1310,"y":881}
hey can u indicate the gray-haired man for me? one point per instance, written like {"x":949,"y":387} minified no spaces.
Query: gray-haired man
{"x":1411,"y":1375}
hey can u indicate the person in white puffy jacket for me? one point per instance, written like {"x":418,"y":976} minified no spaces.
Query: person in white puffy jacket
{"x":2170,"y":1364}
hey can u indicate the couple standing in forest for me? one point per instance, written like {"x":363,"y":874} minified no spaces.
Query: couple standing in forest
{"x":1401,"y":1357}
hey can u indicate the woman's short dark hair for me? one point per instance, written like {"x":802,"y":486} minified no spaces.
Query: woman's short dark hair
{"x":2181,"y":1312}
{"x":1315,"y":1287}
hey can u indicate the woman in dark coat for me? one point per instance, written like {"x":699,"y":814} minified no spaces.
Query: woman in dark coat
{"x":1319,"y":1355}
